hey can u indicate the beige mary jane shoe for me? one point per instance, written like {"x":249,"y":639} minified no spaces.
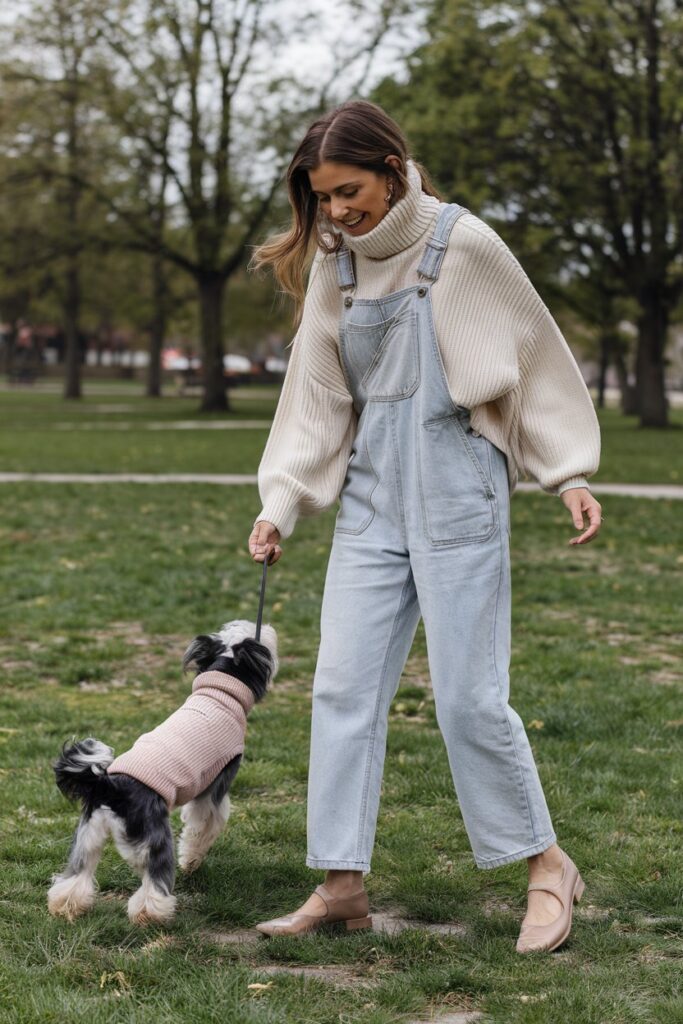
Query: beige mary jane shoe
{"x":348,"y":911}
{"x":568,"y":890}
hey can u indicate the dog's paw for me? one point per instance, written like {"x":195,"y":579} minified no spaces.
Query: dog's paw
{"x":189,"y":865}
{"x":70,"y":896}
{"x":192,"y":851}
{"x":150,"y":905}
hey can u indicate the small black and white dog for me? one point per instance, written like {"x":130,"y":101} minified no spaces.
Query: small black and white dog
{"x":199,"y":740}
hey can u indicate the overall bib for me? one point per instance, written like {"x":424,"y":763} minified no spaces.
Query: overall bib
{"x":422,"y":529}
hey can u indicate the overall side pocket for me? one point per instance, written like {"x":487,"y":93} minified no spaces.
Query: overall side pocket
{"x":458,"y":498}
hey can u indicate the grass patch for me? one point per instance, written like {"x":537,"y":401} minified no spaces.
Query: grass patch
{"x":103,"y":586}
{"x":124,"y":432}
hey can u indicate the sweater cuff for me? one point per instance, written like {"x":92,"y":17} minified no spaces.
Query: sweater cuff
{"x":573,"y":481}
{"x":281,"y":516}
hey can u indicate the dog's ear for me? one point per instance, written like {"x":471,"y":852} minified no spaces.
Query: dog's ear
{"x":253,"y":665}
{"x":203,"y":651}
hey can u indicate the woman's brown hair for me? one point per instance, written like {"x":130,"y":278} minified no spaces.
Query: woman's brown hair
{"x":359,"y":133}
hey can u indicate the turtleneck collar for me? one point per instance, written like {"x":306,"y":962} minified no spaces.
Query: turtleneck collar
{"x":406,"y":221}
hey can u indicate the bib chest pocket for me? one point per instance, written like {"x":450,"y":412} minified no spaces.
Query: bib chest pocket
{"x":456,"y":489}
{"x":381,"y":356}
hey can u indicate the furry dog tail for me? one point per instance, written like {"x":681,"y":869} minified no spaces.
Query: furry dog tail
{"x":80,"y":766}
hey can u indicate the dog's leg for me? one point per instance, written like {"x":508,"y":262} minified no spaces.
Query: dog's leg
{"x":204,"y":818}
{"x":73,"y":892}
{"x":142,"y":834}
{"x":153,"y":902}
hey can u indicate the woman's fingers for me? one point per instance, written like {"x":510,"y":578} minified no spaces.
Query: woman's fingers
{"x":580,"y":503}
{"x":263,"y":542}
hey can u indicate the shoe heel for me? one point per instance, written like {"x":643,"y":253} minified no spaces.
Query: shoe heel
{"x":579,"y":888}
{"x":358,"y":923}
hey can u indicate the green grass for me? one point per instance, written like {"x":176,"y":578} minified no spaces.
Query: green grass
{"x":102,"y":587}
{"x":39,"y":432}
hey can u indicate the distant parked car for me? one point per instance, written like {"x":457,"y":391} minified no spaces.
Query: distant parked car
{"x":276,"y":365}
{"x":236,"y":364}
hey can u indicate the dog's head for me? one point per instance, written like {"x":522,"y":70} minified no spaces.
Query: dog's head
{"x":253,"y":662}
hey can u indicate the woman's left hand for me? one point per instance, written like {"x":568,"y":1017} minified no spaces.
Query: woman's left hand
{"x":580,"y":502}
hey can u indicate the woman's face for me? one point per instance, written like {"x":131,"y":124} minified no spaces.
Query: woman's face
{"x":352,"y":198}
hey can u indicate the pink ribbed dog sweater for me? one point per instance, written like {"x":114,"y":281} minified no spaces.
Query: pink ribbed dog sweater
{"x":184,"y":754}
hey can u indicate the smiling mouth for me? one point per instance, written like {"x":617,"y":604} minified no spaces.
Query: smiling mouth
{"x":352,"y":223}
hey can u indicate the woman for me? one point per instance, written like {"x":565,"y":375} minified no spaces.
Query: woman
{"x":425,"y":369}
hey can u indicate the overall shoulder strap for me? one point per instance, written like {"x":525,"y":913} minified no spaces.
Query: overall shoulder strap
{"x":435,"y":247}
{"x":345,"y":274}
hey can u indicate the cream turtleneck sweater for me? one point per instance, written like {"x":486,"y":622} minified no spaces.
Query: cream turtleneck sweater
{"x":504,"y":356}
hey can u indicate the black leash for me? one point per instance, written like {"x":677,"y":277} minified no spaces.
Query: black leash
{"x":259,"y":617}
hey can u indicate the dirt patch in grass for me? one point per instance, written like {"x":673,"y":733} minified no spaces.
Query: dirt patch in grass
{"x":665,"y":677}
{"x":113,"y":684}
{"x":235,"y":938}
{"x":436,"y":1015}
{"x":386,"y":922}
{"x":589,"y":912}
{"x":394,"y":921}
{"x":334,"y":974}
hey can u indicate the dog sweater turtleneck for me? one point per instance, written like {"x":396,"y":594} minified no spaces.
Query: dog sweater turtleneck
{"x":183,"y":755}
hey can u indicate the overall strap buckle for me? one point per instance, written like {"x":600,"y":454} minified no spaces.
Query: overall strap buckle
{"x":436,"y":246}
{"x":346,"y":277}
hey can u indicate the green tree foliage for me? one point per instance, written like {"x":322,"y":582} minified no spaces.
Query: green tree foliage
{"x":48,"y":136}
{"x":563,"y":120}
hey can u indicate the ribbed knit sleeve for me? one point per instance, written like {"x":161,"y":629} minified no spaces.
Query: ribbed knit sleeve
{"x":558,"y":432}
{"x":304,"y":462}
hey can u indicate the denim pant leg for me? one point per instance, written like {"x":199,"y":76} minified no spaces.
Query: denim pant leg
{"x":368,"y":620}
{"x":465,"y":598}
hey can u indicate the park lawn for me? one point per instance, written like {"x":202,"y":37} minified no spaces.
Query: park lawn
{"x":103,"y":586}
{"x":123,"y":432}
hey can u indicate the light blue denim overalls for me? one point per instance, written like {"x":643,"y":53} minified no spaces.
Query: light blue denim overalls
{"x":423,"y":529}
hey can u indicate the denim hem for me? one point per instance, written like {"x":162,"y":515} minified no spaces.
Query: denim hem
{"x":339,"y":865}
{"x":509,"y":858}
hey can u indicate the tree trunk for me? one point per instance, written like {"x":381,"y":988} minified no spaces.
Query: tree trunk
{"x":211,"y":291}
{"x":652,"y":330}
{"x":72,"y":357}
{"x":605,"y":350}
{"x":629,"y":400}
{"x":158,"y":327}
{"x":72,"y":284}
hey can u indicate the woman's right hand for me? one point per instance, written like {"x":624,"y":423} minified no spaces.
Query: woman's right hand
{"x":263,"y":542}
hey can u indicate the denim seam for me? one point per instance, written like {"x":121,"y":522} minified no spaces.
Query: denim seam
{"x":500,"y":695}
{"x":381,"y":325}
{"x":392,"y":295}
{"x":399,"y":483}
{"x":371,"y":745}
{"x":363,"y":446}
{"x":333,"y":864}
{"x":510,"y":858}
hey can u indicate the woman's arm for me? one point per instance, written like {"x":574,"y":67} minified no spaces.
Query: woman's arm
{"x":558,"y":432}
{"x":306,"y":455}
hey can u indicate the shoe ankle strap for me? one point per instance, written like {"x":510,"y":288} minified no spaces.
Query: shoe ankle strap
{"x":326,"y":895}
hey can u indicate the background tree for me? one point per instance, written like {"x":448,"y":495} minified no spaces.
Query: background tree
{"x":198,"y":113}
{"x":562,"y":123}
{"x":164,"y":128}
{"x":54,"y":136}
